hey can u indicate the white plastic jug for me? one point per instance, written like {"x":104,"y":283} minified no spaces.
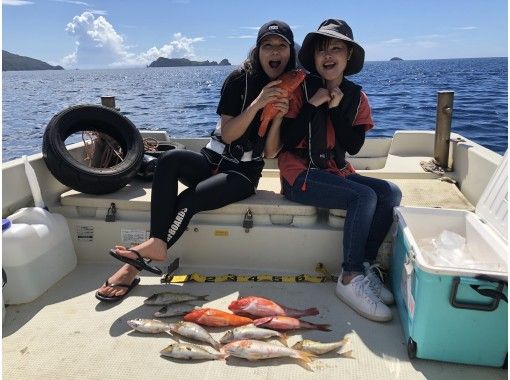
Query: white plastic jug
{"x":37,"y":252}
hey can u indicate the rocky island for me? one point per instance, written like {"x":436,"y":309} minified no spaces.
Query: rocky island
{"x":396,"y":59}
{"x":180,"y":62}
{"x":14,"y":62}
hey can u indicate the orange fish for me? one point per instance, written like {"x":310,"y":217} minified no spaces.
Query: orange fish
{"x":287,"y":323}
{"x":262,"y":307}
{"x":290,"y":81}
{"x":216,"y":318}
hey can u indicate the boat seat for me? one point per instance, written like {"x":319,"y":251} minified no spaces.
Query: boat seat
{"x":268,"y":200}
{"x":136,"y":196}
{"x":434,"y":193}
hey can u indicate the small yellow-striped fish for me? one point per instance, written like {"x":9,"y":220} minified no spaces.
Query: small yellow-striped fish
{"x":194,"y":331}
{"x":189,"y":352}
{"x":174,"y":310}
{"x":151,"y":326}
{"x":256,"y":350}
{"x":252,"y":332}
{"x":167,"y":298}
{"x":320,"y":348}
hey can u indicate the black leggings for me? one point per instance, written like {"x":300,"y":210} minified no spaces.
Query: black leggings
{"x":171,"y":213}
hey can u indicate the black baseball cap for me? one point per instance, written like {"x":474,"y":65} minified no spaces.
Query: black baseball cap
{"x":277,"y":28}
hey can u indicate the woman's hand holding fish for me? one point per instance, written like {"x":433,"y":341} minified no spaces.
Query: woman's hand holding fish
{"x":282,"y":106}
{"x":270,"y":93}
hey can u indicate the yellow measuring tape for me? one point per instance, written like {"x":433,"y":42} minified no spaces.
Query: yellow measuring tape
{"x":197,"y":277}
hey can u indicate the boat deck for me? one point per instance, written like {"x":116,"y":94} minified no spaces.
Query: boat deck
{"x":67,"y":334}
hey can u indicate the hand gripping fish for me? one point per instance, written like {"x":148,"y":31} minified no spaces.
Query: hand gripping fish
{"x":215,"y":318}
{"x":288,"y":323}
{"x":262,"y":307}
{"x":290,"y":81}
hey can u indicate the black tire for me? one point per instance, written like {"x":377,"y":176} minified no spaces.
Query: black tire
{"x":77,"y":175}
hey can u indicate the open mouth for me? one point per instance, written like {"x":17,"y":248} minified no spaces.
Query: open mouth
{"x":329,"y":65}
{"x":275,"y":64}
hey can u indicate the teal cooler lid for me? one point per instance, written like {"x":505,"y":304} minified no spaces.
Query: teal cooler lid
{"x":6,"y":223}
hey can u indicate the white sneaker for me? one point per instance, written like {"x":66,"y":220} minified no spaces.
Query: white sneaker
{"x":373,"y":273}
{"x":359,"y":296}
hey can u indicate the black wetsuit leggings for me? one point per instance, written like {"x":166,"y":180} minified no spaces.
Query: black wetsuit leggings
{"x":171,"y":213}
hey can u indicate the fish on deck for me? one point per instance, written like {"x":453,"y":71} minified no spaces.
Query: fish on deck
{"x":189,"y":351}
{"x":288,"y":323}
{"x":263,"y":307}
{"x":216,"y":318}
{"x":319,"y":348}
{"x":150,"y":326}
{"x":167,"y":298}
{"x":252,"y":332}
{"x":257,"y":350}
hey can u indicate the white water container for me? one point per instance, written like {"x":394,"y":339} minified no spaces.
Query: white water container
{"x":37,"y":252}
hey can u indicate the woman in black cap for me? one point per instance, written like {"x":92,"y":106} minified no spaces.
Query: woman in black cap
{"x":329,"y":118}
{"x":226,"y":170}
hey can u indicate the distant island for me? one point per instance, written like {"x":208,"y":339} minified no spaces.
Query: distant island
{"x":180,"y":62}
{"x":396,"y":59}
{"x":14,"y":62}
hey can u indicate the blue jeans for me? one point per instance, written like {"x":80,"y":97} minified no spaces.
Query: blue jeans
{"x":369,"y":203}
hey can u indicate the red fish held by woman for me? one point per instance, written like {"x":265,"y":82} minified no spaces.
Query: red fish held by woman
{"x":263,"y":307}
{"x":290,"y":81}
{"x":215,"y":318}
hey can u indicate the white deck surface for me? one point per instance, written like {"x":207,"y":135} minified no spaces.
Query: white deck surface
{"x":68,"y":334}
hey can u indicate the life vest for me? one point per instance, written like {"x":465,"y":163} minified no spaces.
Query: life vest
{"x":315,"y":145}
{"x":250,"y":146}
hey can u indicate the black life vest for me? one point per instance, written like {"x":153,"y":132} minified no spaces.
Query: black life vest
{"x":250,"y":140}
{"x":317,"y":150}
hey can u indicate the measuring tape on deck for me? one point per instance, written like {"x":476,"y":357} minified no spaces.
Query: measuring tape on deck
{"x":197,"y":277}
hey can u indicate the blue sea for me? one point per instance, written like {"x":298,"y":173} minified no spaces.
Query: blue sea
{"x":182,"y":101}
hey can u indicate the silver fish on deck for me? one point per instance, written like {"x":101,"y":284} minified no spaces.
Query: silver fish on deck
{"x":256,"y":350}
{"x":167,"y":298}
{"x":194,"y":331}
{"x":189,"y":352}
{"x":174,"y":310}
{"x":252,"y":332}
{"x":151,"y":326}
{"x":320,"y":348}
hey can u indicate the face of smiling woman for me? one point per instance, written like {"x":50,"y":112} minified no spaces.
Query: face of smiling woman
{"x":331,"y":60}
{"x":274,"y":54}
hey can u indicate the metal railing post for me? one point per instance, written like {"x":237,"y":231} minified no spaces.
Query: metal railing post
{"x":108,"y":101}
{"x":443,"y":127}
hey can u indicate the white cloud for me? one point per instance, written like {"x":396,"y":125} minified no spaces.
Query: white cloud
{"x":99,"y":45}
{"x":97,"y":12}
{"x":181,"y":46}
{"x":393,"y":41}
{"x":244,"y":36}
{"x":466,"y":28}
{"x":73,"y":2}
{"x":16,"y":2}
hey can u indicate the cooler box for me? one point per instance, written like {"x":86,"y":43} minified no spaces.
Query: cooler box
{"x":452,"y":302}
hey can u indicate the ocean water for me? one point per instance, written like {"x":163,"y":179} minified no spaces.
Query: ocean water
{"x":182,"y":101}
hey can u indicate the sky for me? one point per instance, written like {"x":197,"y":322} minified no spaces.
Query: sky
{"x":127,"y":33}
